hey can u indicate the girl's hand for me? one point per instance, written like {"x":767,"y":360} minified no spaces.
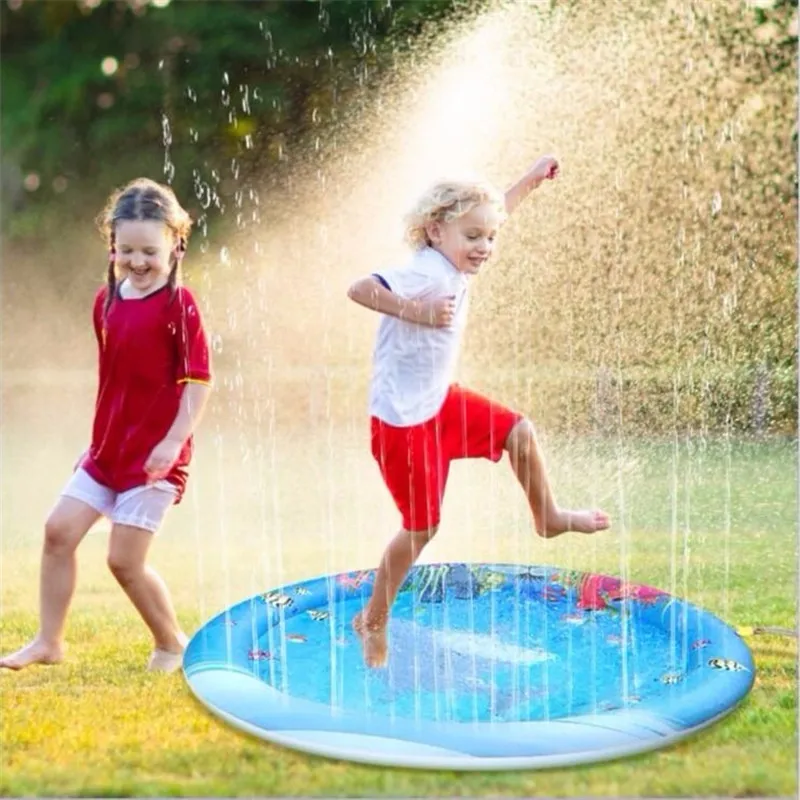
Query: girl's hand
{"x":161,"y":459}
{"x":545,"y":169}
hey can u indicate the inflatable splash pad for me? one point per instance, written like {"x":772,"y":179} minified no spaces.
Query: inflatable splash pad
{"x":491,"y":666}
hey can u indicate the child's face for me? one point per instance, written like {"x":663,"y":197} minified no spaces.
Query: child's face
{"x":467,"y":241}
{"x":143,"y":250}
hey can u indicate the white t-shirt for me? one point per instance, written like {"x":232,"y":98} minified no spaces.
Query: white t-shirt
{"x":413,"y":365}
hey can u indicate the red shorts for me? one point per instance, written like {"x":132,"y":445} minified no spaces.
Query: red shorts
{"x":415,"y":460}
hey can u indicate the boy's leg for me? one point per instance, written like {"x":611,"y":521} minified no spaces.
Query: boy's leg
{"x":67,"y":524}
{"x":415,"y":473}
{"x":527,"y":461}
{"x":137,"y":517}
{"x":484,"y":429}
{"x":397,"y":560}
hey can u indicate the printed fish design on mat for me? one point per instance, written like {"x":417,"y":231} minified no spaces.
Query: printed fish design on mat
{"x":554,"y":594}
{"x":259,"y":655}
{"x":700,"y":644}
{"x":354,"y":580}
{"x":597,"y":592}
{"x":490,"y":581}
{"x":671,"y":678}
{"x":633,"y":699}
{"x":727,"y":664}
{"x":296,"y":637}
{"x":302,"y":591}
{"x":574,"y":619}
{"x":318,"y":615}
{"x":277,"y":599}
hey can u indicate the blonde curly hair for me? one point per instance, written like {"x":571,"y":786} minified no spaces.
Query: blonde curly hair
{"x":445,"y":201}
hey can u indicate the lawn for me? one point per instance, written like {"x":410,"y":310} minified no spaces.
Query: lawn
{"x":710,"y":520}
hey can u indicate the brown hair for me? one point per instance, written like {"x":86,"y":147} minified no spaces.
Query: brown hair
{"x":144,"y":199}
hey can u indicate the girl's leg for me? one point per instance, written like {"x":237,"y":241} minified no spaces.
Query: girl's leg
{"x":397,"y":560}
{"x":127,"y":555}
{"x":527,"y":462}
{"x":66,"y":526}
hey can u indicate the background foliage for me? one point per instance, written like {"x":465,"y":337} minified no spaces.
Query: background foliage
{"x":217,"y":97}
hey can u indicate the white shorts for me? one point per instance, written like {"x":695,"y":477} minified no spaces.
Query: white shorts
{"x":141,"y":507}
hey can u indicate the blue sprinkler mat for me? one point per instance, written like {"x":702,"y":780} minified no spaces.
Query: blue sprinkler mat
{"x":491,"y":666}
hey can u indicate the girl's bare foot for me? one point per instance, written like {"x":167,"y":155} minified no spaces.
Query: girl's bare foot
{"x":373,"y":641}
{"x":168,"y":660}
{"x":582,"y":521}
{"x":37,"y":652}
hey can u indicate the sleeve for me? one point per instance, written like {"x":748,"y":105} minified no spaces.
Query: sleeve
{"x":407,"y":281}
{"x":194,"y":357}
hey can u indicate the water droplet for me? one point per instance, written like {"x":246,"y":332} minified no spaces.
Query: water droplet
{"x":225,"y":79}
{"x":216,"y":343}
{"x":716,"y":204}
{"x":248,"y":142}
{"x":225,"y":256}
{"x":166,"y":132}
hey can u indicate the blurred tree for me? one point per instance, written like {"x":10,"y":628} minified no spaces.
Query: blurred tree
{"x":88,"y":82}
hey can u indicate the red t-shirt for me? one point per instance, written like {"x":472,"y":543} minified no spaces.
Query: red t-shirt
{"x":149,"y":349}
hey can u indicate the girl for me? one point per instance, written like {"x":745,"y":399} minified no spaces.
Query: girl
{"x":420,"y":420}
{"x":154,"y":382}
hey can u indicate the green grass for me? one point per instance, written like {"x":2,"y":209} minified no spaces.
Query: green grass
{"x":257,"y":516}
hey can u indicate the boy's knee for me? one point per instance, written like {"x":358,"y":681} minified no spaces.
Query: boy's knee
{"x":421,"y":537}
{"x":521,"y":438}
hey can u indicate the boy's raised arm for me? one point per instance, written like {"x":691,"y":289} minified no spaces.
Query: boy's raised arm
{"x":545,"y":169}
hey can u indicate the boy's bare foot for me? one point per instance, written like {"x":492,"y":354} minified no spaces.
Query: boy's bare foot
{"x":373,"y":641}
{"x":582,"y":521}
{"x":36,"y":652}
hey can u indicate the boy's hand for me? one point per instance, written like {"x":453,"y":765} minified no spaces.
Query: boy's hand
{"x":438,"y":313}
{"x":545,"y":169}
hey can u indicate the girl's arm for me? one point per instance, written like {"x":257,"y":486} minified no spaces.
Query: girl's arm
{"x":192,"y":406}
{"x":546,"y":168}
{"x":371,"y":293}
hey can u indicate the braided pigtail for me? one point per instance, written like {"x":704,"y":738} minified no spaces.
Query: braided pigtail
{"x":111,"y":275}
